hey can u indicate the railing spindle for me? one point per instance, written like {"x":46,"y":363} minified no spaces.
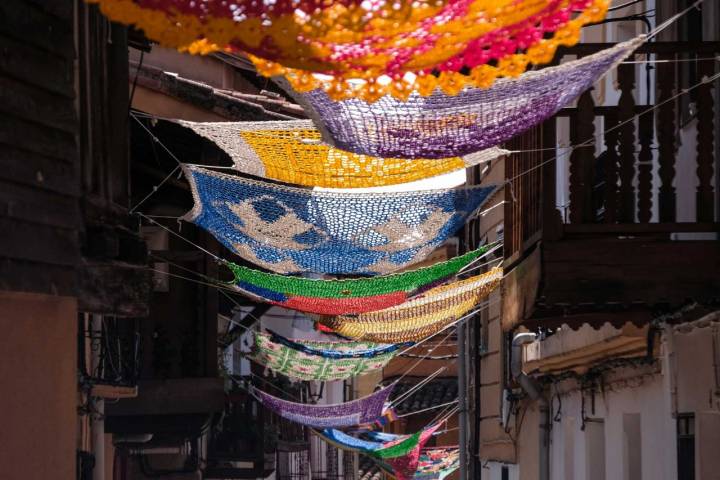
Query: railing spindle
{"x":667,"y":81}
{"x":611,"y":168}
{"x":645,"y":166}
{"x":626,"y":111}
{"x":582,"y":161}
{"x":705,"y":144}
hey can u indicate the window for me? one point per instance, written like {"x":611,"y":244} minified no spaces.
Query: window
{"x":632,"y":447}
{"x":595,"y":449}
{"x":504,"y":473}
{"x":686,"y":446}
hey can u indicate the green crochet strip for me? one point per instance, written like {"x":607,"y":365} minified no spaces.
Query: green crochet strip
{"x":301,"y":366}
{"x":399,"y":449}
{"x":354,"y":287}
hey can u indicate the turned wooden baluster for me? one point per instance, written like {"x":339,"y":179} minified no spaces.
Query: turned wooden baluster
{"x":582,"y":129}
{"x":626,"y":111}
{"x":666,"y":133}
{"x":645,"y":165}
{"x":705,"y":143}
{"x":611,"y":168}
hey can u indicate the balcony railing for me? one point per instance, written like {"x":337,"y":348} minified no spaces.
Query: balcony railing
{"x":109,"y":352}
{"x":651,"y":167}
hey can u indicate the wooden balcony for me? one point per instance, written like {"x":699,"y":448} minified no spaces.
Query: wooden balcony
{"x":636,"y":233}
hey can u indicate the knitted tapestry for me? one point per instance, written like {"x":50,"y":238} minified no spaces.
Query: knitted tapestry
{"x":399,"y":446}
{"x":291,"y":152}
{"x":437,"y":463}
{"x":302,"y":366}
{"x":421,"y":317}
{"x":404,"y":466}
{"x":338,"y":350}
{"x":291,"y":230}
{"x":440,"y":126}
{"x":343,"y":441}
{"x":377,"y":42}
{"x":433,"y":464}
{"x":346,"y":296}
{"x":339,"y":415}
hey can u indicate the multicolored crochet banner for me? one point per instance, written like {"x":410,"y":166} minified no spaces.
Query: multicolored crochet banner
{"x":338,"y":350}
{"x":421,"y":317}
{"x":291,"y":152}
{"x":300,"y":365}
{"x":293,"y":230}
{"x":400,"y":454}
{"x":376,"y":42}
{"x":433,"y":464}
{"x":339,"y":415}
{"x":345,"y":296}
{"x":440,"y":125}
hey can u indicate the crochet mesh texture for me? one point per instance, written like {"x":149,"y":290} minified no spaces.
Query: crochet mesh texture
{"x":340,"y":415}
{"x":421,"y":317}
{"x":302,"y":366}
{"x":291,"y":152}
{"x":440,"y":125}
{"x":293,"y":230}
{"x":353,"y":287}
{"x":337,"y":350}
{"x":346,"y":40}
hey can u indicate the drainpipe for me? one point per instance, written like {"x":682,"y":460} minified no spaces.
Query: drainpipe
{"x":98,"y":414}
{"x":534,"y":392}
{"x":462,"y":401}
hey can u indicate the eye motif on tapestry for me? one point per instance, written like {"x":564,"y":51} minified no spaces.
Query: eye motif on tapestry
{"x":375,"y":42}
{"x":293,"y":230}
{"x":299,"y":365}
{"x":292,"y":152}
{"x":345,"y":296}
{"x":420,"y":317}
{"x":340,"y":415}
{"x":440,"y":126}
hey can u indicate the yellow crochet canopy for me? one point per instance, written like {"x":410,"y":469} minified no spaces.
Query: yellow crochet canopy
{"x":421,"y":317}
{"x":291,"y":152}
{"x":377,"y":42}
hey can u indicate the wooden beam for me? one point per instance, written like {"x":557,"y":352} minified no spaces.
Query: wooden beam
{"x":113,"y":392}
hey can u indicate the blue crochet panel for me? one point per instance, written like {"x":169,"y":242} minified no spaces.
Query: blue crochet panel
{"x":294,"y":230}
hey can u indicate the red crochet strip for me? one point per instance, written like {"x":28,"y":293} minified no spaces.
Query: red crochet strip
{"x":404,"y":467}
{"x":343,"y":306}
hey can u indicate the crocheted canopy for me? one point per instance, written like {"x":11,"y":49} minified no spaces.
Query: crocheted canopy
{"x":339,"y":415}
{"x":437,"y":463}
{"x":421,"y":317}
{"x":299,"y":365}
{"x":440,"y":126}
{"x":433,"y":464}
{"x":405,"y":465}
{"x":378,"y":42}
{"x":346,"y":296}
{"x":338,"y":350}
{"x":398,"y":446}
{"x":291,"y":230}
{"x":291,"y":152}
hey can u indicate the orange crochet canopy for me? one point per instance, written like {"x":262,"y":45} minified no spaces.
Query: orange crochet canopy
{"x":369,"y":48}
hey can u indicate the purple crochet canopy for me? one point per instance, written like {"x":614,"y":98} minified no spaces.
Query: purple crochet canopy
{"x":339,"y":415}
{"x":440,"y":125}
